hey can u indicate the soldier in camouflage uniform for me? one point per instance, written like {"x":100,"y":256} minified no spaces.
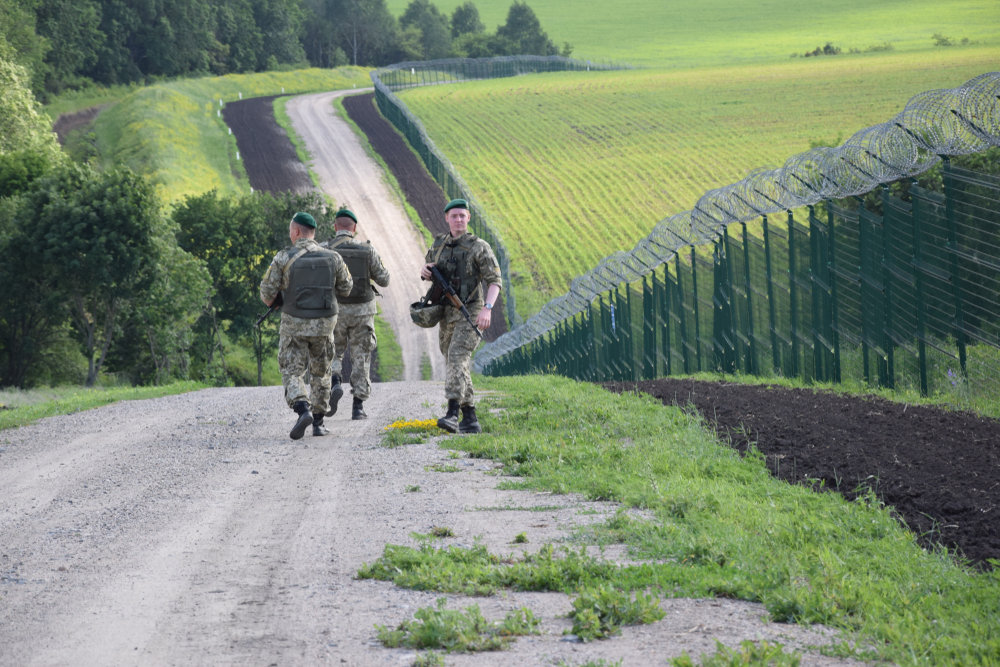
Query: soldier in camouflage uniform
{"x":309,"y":279}
{"x":467,"y":262}
{"x":355,"y":328}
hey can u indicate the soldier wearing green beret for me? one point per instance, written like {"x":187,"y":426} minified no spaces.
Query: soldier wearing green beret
{"x":355,"y":328}
{"x":308,"y":278}
{"x":467,"y":262}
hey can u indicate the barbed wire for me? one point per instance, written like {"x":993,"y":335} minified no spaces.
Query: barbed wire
{"x":935,"y":123}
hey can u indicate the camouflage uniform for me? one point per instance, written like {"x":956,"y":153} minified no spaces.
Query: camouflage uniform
{"x":304,"y":344}
{"x":356,"y":323}
{"x":457,"y":338}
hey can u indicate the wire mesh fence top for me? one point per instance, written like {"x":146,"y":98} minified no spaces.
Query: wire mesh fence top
{"x":935,"y":123}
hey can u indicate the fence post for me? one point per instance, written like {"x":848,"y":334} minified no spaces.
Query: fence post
{"x":887,"y":368}
{"x":772,"y":324}
{"x":648,"y":330}
{"x":682,"y":315}
{"x":665,"y":309}
{"x":793,"y":303}
{"x":834,"y":304}
{"x":723,"y":345}
{"x":956,"y":277}
{"x":918,"y":277}
{"x":752,"y":366}
{"x":694,"y":302}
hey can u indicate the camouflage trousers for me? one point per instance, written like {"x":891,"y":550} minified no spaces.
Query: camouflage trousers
{"x":357,"y":333}
{"x":298,"y":354}
{"x":458,"y":340}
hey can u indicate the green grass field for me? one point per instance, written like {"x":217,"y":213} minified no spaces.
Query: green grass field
{"x":573,"y":167}
{"x":678,"y":34}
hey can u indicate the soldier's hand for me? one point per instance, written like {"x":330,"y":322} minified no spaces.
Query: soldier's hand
{"x":483,"y":319}
{"x":425,"y":272}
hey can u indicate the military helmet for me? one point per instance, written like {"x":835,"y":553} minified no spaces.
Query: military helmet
{"x":425,"y":314}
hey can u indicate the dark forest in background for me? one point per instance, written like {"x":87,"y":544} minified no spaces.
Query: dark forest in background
{"x":69,"y":44}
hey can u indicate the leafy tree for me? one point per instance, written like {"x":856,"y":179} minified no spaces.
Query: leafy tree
{"x":523,"y":32}
{"x":72,"y":28}
{"x":239,"y":38}
{"x":435,"y":34}
{"x":465,"y":20}
{"x":365,"y":30}
{"x":157,"y":332}
{"x":23,"y":124}
{"x":96,"y":245}
{"x":280,"y":22}
{"x":32,"y":305}
{"x":19,"y":41}
{"x":320,"y":40}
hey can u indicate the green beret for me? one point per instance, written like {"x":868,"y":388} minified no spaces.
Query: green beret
{"x":346,"y":213}
{"x":456,"y":203}
{"x":304,"y":219}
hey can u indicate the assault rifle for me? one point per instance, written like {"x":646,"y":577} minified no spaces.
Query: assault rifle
{"x":278,"y":302}
{"x":450,"y":295}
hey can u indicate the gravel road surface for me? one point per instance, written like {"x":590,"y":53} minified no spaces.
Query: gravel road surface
{"x":191,"y":530}
{"x":353,"y":179}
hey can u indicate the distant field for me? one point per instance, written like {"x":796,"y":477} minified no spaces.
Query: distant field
{"x":680,"y":33}
{"x":572,"y":167}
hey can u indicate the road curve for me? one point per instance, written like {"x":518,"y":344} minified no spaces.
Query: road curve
{"x":351,"y":178}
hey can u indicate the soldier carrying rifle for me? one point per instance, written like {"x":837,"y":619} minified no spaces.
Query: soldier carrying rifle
{"x":465,"y":262}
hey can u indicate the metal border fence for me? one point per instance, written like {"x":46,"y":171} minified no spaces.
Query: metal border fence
{"x":908,"y":296}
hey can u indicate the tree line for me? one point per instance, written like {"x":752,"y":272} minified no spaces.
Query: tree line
{"x":68,"y":44}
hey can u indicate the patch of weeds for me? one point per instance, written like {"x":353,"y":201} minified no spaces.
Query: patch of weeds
{"x":600,"y":662}
{"x":520,"y":538}
{"x":475,"y":571}
{"x":442,"y":531}
{"x":429,"y":659}
{"x":442,"y":467}
{"x":600,"y":612}
{"x":749,"y":653}
{"x":520,"y":508}
{"x":412,"y":488}
{"x":395,"y":439}
{"x":454,"y":454}
{"x":452,"y":630}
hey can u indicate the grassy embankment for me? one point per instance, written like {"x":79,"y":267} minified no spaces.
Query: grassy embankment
{"x":573,"y":167}
{"x":174,"y":132}
{"x":712,"y":524}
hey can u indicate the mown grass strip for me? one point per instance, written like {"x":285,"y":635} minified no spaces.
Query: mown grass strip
{"x":20,"y":408}
{"x":721,"y":526}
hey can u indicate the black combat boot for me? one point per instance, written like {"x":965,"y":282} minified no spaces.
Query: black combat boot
{"x":302,"y":408}
{"x":358,"y":411}
{"x":469,"y":423}
{"x":336,"y":393}
{"x":450,"y":420}
{"x":318,"y":428}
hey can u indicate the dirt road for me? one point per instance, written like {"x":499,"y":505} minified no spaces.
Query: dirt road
{"x":191,"y":530}
{"x":352,"y":179}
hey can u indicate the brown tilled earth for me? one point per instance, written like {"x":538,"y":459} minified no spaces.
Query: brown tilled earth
{"x":938,"y":469}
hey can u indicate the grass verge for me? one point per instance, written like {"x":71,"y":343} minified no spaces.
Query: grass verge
{"x":719,"y":526}
{"x":21,"y":408}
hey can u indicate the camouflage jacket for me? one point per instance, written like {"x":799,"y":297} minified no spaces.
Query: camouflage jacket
{"x":276,"y":280}
{"x":377,"y":273}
